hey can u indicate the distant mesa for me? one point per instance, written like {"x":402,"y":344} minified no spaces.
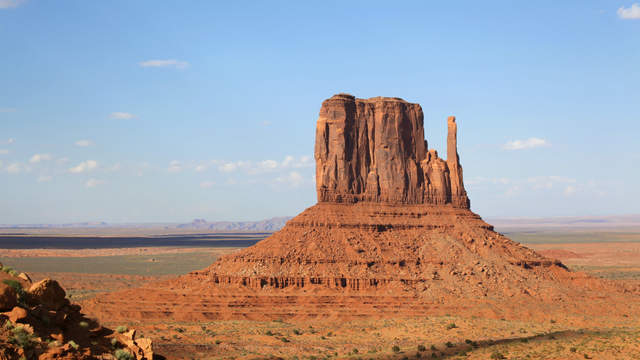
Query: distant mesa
{"x":268,"y":225}
{"x":392,"y":234}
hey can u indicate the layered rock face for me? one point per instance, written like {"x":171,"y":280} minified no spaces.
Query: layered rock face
{"x":373,"y":150}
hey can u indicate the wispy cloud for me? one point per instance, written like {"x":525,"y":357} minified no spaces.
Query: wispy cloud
{"x":83,"y":143}
{"x":293,"y":178}
{"x":84,"y":166}
{"x":45,"y":178}
{"x":9,"y":4}
{"x":630,"y":13}
{"x":175,"y":166}
{"x":121,"y":115}
{"x":207,"y":184}
{"x":93,"y":183}
{"x":178,"y":64}
{"x":14,"y":168}
{"x":529,"y":143}
{"x":5,"y":109}
{"x":36,"y":158}
{"x":4,"y":151}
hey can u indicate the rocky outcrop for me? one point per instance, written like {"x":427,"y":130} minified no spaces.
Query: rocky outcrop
{"x":48,"y":293}
{"x":373,"y":150}
{"x":8,"y":297}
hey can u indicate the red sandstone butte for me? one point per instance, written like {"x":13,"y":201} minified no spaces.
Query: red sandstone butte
{"x":373,"y":150}
{"x":392,"y":234}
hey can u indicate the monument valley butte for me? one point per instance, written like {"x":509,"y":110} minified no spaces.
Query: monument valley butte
{"x":391,"y":237}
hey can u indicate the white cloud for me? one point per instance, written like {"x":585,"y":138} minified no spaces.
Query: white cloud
{"x":207,"y":184}
{"x":266,"y":123}
{"x":83,"y":143}
{"x":10,"y":141}
{"x":178,"y":64}
{"x":569,"y":190}
{"x":14,"y":168}
{"x":4,"y":151}
{"x":44,"y":178}
{"x":630,"y":13}
{"x":547,"y":182}
{"x":121,"y":115}
{"x":269,"y":164}
{"x":93,"y":183}
{"x":39,"y":157}
{"x":228,"y":167}
{"x":293,"y":178}
{"x":174,"y":166}
{"x":84,"y":166}
{"x":200,"y":168}
{"x":529,"y":143}
{"x":63,"y":160}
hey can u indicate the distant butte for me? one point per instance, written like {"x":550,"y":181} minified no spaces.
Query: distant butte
{"x":392,"y":234}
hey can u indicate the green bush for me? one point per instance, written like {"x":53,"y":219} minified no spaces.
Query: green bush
{"x":297,"y":332}
{"x":434,"y":348}
{"x":20,"y":337}
{"x":121,"y":329}
{"x":422,"y":348}
{"x":395,"y":349}
{"x":451,"y":326}
{"x":83,"y":324}
{"x":449,"y":344}
{"x":122,"y":354}
{"x":73,"y":345}
{"x":573,"y":349}
{"x":17,"y":286}
{"x":497,"y":356}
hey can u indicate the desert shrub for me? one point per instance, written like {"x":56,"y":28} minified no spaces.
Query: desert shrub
{"x":122,"y":354}
{"x":422,"y":348}
{"x":20,"y":337}
{"x":180,"y":330}
{"x":284,"y":339}
{"x":497,"y":356}
{"x":434,"y":355}
{"x":73,"y":345}
{"x":83,"y":324}
{"x":218,"y":342}
{"x":467,"y":341}
{"x":355,"y":351}
{"x":451,"y":326}
{"x":553,"y":321}
{"x":114,"y":342}
{"x":395,"y":349}
{"x":573,"y":349}
{"x":120,"y":329}
{"x":297,"y":332}
{"x":269,"y":333}
{"x":449,"y":344}
{"x":15,"y":284}
{"x":433,"y":348}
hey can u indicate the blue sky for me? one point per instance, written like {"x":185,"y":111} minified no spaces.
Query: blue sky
{"x":148,"y":111}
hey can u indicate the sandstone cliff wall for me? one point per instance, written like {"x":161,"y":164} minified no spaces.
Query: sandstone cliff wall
{"x":373,"y":150}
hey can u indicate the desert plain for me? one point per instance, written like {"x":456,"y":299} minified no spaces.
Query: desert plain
{"x":609,"y":252}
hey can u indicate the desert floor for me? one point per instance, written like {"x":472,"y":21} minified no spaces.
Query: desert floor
{"x":614,"y":255}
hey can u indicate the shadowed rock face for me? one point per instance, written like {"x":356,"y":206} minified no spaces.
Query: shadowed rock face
{"x":373,"y":150}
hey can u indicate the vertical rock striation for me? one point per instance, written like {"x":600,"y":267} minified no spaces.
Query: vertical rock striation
{"x":373,"y":150}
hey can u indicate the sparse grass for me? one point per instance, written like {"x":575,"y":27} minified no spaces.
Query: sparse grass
{"x":121,"y":329}
{"x":395,"y":349}
{"x":83,"y":324}
{"x":73,"y":344}
{"x":122,"y":354}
